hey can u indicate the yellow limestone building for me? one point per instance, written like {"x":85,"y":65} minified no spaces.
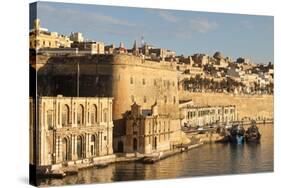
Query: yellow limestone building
{"x":42,"y":38}
{"x":67,"y":131}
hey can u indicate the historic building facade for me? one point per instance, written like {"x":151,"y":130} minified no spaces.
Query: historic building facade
{"x":206,"y":115}
{"x":146,"y":131}
{"x":70,"y":130}
{"x":127,"y":78}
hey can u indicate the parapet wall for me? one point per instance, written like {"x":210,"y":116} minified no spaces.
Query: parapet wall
{"x":248,"y":106}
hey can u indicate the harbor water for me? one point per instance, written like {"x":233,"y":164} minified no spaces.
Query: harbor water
{"x":210,"y":159}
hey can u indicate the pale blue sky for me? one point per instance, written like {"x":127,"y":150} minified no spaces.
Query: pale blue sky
{"x":186,"y":32}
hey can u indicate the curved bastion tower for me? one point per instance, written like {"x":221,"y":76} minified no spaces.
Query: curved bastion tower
{"x":127,"y":78}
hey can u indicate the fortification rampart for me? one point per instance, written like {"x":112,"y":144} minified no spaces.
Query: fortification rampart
{"x":126,"y":78}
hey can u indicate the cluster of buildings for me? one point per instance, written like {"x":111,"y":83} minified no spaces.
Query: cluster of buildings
{"x":222,"y":74}
{"x":95,"y":100}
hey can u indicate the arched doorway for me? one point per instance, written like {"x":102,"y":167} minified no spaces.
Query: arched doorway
{"x":79,"y":147}
{"x":135,"y":144}
{"x":93,"y":145}
{"x":64,"y":150}
{"x":120,"y":147}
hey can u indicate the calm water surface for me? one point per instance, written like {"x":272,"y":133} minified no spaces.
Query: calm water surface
{"x":210,"y":159}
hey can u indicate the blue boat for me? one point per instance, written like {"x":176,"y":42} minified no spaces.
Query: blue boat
{"x":236,"y":134}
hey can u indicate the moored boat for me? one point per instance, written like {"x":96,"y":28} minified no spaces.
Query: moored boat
{"x":252,"y":133}
{"x":236,"y":134}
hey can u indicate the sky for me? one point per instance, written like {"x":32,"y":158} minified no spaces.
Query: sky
{"x":186,"y":32}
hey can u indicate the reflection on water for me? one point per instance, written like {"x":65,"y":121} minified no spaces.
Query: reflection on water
{"x":211,"y":159}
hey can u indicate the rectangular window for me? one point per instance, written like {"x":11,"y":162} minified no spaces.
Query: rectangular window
{"x":50,"y":119}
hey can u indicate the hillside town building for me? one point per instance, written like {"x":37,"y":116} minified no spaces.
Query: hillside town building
{"x":42,"y":38}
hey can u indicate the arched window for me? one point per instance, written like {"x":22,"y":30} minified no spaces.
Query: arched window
{"x":66,"y":150}
{"x":79,"y":147}
{"x":93,"y":138}
{"x":94,"y":114}
{"x":65,"y":115}
{"x":80,"y":115}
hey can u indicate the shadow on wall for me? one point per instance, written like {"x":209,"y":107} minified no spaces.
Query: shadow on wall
{"x":83,"y":76}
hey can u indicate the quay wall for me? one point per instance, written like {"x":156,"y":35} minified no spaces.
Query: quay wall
{"x":247,"y":106}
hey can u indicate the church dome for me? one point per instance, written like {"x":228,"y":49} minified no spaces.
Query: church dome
{"x":218,"y":55}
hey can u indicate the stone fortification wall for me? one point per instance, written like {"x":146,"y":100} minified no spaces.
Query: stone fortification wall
{"x":124,"y":77}
{"x":248,"y":106}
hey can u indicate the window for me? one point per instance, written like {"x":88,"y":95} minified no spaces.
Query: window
{"x":135,"y":128}
{"x":165,"y":99}
{"x":131,"y":80}
{"x":74,"y":119}
{"x":94,"y":114}
{"x":155,"y":82}
{"x":143,"y":81}
{"x":79,"y":147}
{"x":80,"y":115}
{"x":105,"y":115}
{"x":104,"y":138}
{"x":50,"y":119}
{"x":133,"y":98}
{"x":58,"y":113}
{"x":92,"y":150}
{"x":174,"y":100}
{"x":135,"y":144}
{"x":144,"y":99}
{"x":93,"y":138}
{"x":65,"y":115}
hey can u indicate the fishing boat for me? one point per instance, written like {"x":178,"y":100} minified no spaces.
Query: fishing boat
{"x":252,"y":133}
{"x":236,"y":134}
